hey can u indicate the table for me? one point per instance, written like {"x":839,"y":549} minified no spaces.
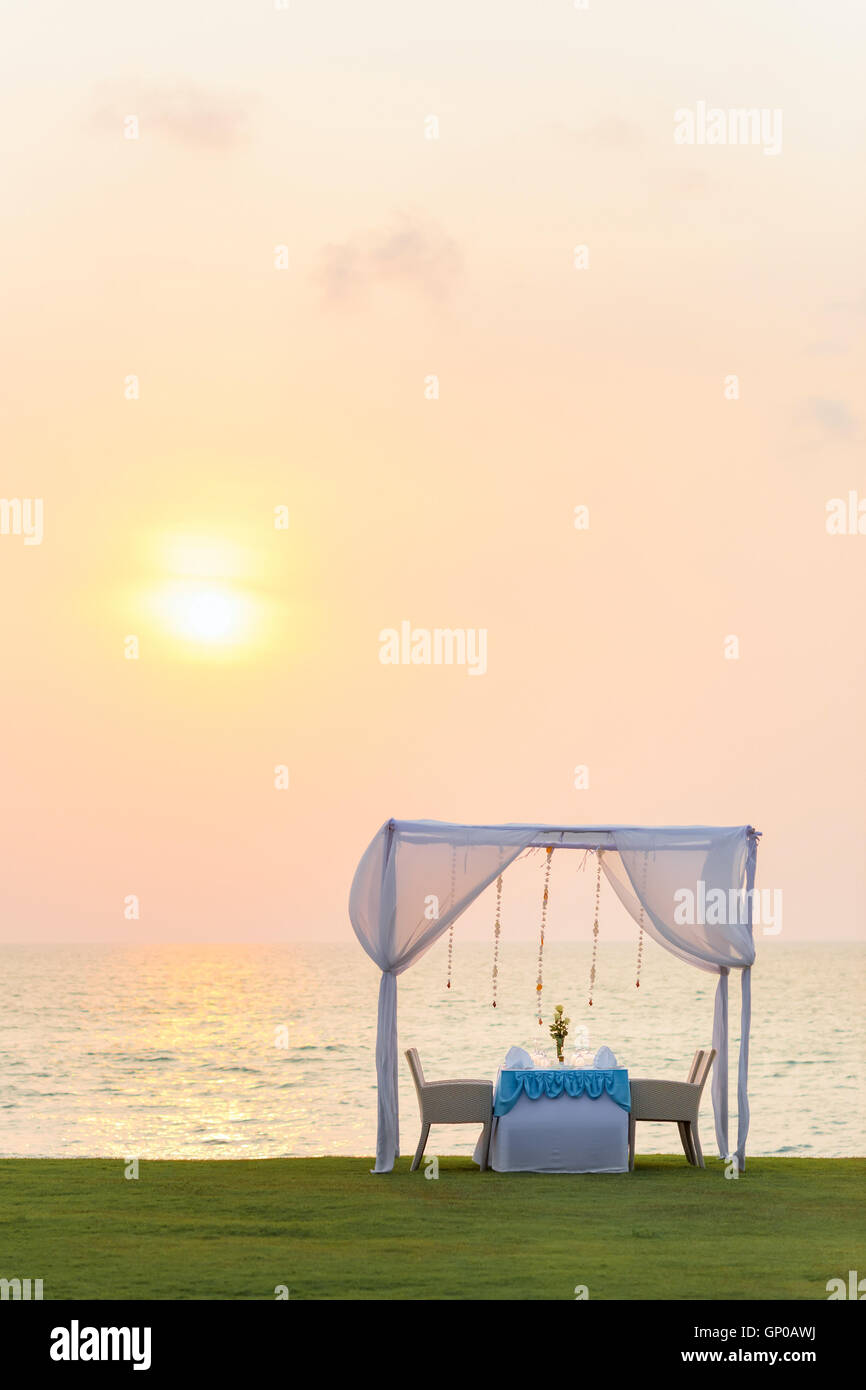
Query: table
{"x":560,"y":1121}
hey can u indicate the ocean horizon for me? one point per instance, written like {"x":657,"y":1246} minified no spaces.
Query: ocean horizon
{"x":262,"y":1051}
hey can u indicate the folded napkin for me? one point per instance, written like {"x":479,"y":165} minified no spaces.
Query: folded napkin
{"x":517,"y":1059}
{"x":604,"y":1059}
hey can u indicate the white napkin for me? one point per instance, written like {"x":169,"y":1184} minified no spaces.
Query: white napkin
{"x":517,"y":1059}
{"x":604,"y":1059}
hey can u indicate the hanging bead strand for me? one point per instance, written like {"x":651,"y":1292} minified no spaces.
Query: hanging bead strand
{"x":497,"y":928}
{"x":540,"y":981}
{"x":451,"y":904}
{"x":595,"y":929}
{"x":640,"y":932}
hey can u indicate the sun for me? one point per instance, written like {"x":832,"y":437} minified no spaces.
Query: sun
{"x":208,"y":615}
{"x":210,"y":601}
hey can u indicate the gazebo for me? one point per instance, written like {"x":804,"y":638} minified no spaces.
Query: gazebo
{"x":688,"y":887}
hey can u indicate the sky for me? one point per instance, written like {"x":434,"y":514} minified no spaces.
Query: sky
{"x":243,"y":310}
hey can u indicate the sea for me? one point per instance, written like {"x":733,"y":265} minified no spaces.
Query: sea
{"x":263,"y":1051}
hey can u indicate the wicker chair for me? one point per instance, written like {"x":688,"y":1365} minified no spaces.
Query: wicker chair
{"x":450,"y":1103}
{"x":676,"y":1101}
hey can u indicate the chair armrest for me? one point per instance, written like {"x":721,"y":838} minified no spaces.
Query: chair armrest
{"x":460,"y":1081}
{"x":664,"y":1100}
{"x":457,"y":1102}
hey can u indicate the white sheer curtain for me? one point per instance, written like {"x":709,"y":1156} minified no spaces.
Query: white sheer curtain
{"x":413,"y":881}
{"x":684,"y":886}
{"x":417,"y":877}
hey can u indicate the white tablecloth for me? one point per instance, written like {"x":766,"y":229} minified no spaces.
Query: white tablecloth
{"x":562,"y":1134}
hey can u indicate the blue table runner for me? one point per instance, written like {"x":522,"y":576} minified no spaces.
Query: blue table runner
{"x":510,"y":1085}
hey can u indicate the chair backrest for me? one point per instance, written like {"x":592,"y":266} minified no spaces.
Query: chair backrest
{"x":415,"y":1068}
{"x":700,"y":1068}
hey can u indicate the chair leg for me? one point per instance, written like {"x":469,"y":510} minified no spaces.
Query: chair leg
{"x":422,"y":1142}
{"x":485,"y":1146}
{"x":631,"y":1127}
{"x":696,"y":1145}
{"x":686,"y":1140}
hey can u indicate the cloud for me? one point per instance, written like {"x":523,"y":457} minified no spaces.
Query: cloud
{"x":827,"y":347}
{"x":685,"y":183}
{"x":184,"y":113}
{"x":855,"y":305}
{"x":412,"y":252}
{"x":610,"y":133}
{"x":833,"y":416}
{"x":842,"y":329}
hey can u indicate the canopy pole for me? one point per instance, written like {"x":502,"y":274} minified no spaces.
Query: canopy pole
{"x":743,"y":1076}
{"x":388,"y":1132}
{"x":720,"y":1066}
{"x":743,"y":1114}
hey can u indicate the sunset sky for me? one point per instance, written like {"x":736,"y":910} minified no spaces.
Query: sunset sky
{"x":304,"y":388}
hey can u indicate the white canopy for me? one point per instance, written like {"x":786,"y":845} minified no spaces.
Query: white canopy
{"x":410,"y":864}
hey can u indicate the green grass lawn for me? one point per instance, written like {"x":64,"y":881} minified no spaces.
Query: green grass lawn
{"x":329,"y":1230}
